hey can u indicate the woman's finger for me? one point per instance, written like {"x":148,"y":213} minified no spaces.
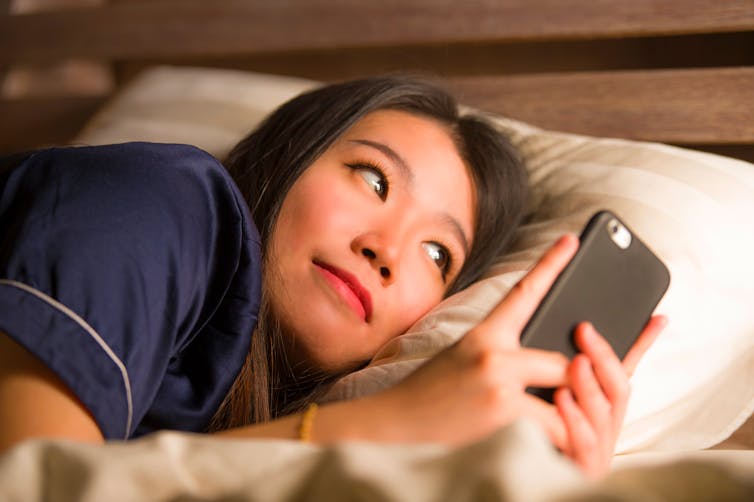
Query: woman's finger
{"x":587,"y":391}
{"x":609,"y":372}
{"x":548,"y":417}
{"x":513,"y":312}
{"x":645,"y":340}
{"x":584,"y":447}
{"x":535,"y":367}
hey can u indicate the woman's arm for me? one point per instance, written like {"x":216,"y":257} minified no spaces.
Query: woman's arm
{"x":34,"y":402}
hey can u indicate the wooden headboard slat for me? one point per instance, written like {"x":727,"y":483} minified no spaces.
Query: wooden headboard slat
{"x":692,"y":107}
{"x":189,"y":28}
{"x":495,"y":58}
{"x":708,"y":106}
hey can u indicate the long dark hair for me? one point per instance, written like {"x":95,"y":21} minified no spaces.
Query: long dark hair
{"x":267,"y":163}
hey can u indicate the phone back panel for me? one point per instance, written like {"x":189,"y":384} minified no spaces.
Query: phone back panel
{"x":615,"y":289}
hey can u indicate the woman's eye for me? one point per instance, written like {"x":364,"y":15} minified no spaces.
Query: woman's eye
{"x":374,"y":178}
{"x":439,"y":255}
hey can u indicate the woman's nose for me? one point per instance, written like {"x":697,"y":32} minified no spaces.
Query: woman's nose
{"x":384,"y":270}
{"x":383,"y":254}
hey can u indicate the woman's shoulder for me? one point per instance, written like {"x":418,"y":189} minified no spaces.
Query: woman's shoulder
{"x":136,"y":163}
{"x":162,"y":183}
{"x":129,"y":151}
{"x":141,"y":253}
{"x":133,"y":202}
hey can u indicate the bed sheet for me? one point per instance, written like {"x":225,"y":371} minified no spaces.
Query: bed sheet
{"x":516,"y":463}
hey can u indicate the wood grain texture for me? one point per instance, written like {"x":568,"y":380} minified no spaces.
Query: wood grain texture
{"x":184,"y":28}
{"x":713,"y":50}
{"x":711,"y":106}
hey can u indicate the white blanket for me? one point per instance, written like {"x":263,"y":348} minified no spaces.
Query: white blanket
{"x":517,"y":463}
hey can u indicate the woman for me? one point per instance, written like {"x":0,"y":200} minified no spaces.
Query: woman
{"x":131,"y":280}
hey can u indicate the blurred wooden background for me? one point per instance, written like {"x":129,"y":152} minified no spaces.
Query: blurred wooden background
{"x":677,"y":71}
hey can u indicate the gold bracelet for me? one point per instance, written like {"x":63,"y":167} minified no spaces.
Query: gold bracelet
{"x":307,"y":420}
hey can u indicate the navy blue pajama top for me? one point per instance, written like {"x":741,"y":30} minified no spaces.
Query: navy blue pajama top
{"x":133,"y":272}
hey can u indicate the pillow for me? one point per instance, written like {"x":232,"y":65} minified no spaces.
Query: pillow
{"x":209,"y":108}
{"x":696,"y":210}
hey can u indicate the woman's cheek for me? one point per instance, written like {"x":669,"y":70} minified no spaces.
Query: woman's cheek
{"x":421,"y":295}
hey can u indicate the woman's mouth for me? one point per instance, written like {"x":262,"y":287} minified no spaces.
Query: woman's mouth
{"x":348,"y":287}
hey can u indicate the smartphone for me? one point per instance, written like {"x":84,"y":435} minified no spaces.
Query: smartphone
{"x":614,"y":281}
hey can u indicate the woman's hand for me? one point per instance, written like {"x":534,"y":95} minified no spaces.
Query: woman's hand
{"x":593,"y":404}
{"x":478,"y":384}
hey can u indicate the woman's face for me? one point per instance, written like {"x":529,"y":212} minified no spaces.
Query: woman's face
{"x":369,"y":238}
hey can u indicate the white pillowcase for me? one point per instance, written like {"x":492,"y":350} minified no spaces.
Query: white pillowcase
{"x":696,"y":210}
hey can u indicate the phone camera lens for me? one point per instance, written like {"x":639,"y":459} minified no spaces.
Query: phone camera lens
{"x":619,"y":234}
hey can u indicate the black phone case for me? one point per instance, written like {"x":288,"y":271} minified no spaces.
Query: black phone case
{"x":613,"y":288}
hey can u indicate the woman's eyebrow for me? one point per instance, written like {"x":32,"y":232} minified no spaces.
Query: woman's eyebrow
{"x":409,"y":175}
{"x":458,"y":231}
{"x":406,"y":171}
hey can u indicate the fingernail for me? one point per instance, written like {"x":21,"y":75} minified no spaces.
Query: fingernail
{"x":587,"y":335}
{"x":564,"y":394}
{"x":566,"y":238}
{"x":663,"y":320}
{"x":587,"y":329}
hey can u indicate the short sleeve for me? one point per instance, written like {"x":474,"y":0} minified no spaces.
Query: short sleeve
{"x":133,"y":272}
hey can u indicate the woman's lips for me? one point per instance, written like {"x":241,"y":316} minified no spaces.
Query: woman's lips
{"x":349,"y":288}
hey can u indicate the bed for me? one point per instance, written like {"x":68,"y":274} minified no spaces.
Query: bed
{"x":643,"y":107}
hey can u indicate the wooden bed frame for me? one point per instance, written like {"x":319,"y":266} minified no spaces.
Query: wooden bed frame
{"x":676,"y":71}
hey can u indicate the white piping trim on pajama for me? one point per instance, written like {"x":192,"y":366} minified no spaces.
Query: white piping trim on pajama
{"x":81,"y":322}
